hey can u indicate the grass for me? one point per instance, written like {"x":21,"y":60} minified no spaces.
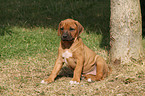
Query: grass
{"x":29,"y":44}
{"x":26,"y":42}
{"x":93,"y":15}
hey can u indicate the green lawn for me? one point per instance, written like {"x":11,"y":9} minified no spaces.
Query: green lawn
{"x":29,"y":43}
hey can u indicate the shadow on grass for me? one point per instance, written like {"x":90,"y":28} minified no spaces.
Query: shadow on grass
{"x":94,"y":15}
{"x":65,"y":72}
{"x":4,"y":30}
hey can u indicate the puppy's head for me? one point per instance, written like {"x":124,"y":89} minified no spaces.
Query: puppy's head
{"x":69,"y":29}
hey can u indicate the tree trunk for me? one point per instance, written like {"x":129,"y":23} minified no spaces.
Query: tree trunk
{"x":126,"y":31}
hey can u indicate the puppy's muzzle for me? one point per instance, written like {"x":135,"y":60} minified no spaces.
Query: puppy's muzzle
{"x":66,"y":37}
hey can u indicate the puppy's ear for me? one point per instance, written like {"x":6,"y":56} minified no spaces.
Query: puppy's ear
{"x":59,"y":28}
{"x":80,"y":28}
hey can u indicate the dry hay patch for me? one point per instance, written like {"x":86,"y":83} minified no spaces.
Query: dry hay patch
{"x":23,"y":77}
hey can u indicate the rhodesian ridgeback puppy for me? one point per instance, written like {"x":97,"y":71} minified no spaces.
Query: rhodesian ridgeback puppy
{"x":76,"y":55}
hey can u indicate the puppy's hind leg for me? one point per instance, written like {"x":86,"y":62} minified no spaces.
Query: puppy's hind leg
{"x":100,"y":62}
{"x":90,"y":77}
{"x":100,"y":72}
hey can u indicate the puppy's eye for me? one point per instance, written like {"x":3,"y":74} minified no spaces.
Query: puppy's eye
{"x":61,"y":29}
{"x":71,"y":29}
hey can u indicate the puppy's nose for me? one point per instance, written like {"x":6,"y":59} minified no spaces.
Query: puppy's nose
{"x":64,"y":36}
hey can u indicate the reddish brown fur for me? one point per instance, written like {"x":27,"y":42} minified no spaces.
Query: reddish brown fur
{"x":78,"y":61}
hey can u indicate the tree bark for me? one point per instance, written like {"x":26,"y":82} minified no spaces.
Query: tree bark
{"x":125,"y":31}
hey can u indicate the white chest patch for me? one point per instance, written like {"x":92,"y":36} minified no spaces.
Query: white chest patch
{"x":66,"y":54}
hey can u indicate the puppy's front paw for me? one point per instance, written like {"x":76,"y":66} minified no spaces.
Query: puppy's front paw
{"x":46,"y":81}
{"x":74,"y":82}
